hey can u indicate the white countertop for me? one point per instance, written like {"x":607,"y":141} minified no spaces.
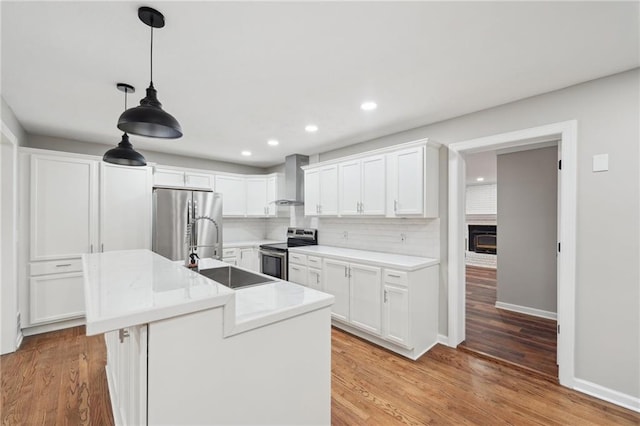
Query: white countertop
{"x":250,"y":243}
{"x":132,"y":287}
{"x":390,"y":260}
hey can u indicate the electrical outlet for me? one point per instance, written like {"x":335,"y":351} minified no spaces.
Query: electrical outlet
{"x":403,"y":237}
{"x":345,"y":235}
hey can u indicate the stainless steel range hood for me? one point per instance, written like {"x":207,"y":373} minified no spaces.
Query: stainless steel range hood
{"x":293,"y":180}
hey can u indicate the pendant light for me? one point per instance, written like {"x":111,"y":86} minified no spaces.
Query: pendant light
{"x":124,"y":154}
{"x":149,"y":119}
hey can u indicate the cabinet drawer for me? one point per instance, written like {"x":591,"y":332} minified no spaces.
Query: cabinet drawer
{"x":395,"y":277}
{"x":229,"y":252}
{"x":300,"y":259}
{"x":314,"y":261}
{"x":55,"y":267}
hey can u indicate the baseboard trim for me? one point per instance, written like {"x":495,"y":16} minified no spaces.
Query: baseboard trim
{"x":19,"y":339}
{"x":45,"y":328}
{"x":606,"y":394}
{"x":443,"y":340}
{"x":527,"y":310}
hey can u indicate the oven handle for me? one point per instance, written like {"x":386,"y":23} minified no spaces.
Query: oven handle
{"x":272,"y":253}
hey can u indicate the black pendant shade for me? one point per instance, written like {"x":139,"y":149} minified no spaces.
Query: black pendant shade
{"x":124,"y":154}
{"x":149,"y":119}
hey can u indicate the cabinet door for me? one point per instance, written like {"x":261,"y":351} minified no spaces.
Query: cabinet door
{"x":365,"y":307}
{"x":198,"y":180}
{"x":335,"y":274}
{"x":396,"y":315}
{"x":167,"y":177}
{"x":349,"y":187}
{"x":298,"y":274}
{"x":64,"y":213}
{"x":125,"y":207}
{"x":314,"y":279}
{"x":373,"y":194}
{"x":311,"y":192}
{"x":272,"y":195}
{"x":409,"y":182}
{"x":248,"y":259}
{"x":329,"y":190}
{"x":234,"y":195}
{"x":256,"y":196}
{"x":56,"y":297}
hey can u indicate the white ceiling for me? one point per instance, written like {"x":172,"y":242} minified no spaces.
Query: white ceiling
{"x":236,"y":74}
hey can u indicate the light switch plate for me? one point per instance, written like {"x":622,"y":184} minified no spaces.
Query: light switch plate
{"x":601,"y":163}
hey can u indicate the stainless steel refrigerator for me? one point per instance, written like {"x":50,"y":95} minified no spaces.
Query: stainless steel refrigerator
{"x":186,"y":221}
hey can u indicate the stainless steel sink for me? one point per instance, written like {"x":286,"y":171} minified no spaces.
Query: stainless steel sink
{"x":233,"y":277}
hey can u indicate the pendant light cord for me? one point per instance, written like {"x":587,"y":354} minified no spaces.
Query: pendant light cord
{"x":151,"y":54}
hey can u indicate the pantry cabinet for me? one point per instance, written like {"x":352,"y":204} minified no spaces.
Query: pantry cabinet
{"x":76,"y":204}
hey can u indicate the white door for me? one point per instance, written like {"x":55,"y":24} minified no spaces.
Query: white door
{"x":234,"y":195}
{"x":365,"y":306}
{"x":311,"y":192}
{"x":349,"y":187}
{"x":373,"y":193}
{"x":256,"y":196}
{"x":64,"y":213}
{"x":314,"y":279}
{"x":248,"y":258}
{"x":298,"y":274}
{"x":396,"y":315}
{"x":409,"y":182}
{"x":336,"y":282}
{"x":125,"y":207}
{"x":329,"y":190}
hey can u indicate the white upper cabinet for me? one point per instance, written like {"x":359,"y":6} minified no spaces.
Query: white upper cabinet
{"x":234,"y":194}
{"x":362,"y":186}
{"x":256,"y":196}
{"x":125,"y":207}
{"x":274,"y":185}
{"x":64,"y":201}
{"x":400,"y":181}
{"x":182,"y":178}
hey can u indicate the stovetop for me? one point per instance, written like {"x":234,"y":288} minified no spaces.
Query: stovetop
{"x":296,"y":237}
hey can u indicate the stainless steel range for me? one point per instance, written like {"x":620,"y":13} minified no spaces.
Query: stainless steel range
{"x":274,"y":258}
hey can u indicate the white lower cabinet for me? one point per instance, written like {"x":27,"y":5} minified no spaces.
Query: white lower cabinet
{"x":249,"y":259}
{"x":298,"y":270}
{"x":127,"y":374}
{"x":365,"y":298}
{"x":56,"y":297}
{"x":395,"y":308}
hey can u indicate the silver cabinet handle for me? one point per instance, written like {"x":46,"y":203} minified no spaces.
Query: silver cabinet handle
{"x":102,"y":248}
{"x":395,"y":205}
{"x":63,"y":265}
{"x":91,"y":248}
{"x":345,"y":272}
{"x":294,"y":268}
{"x":317,"y":278}
{"x":394,"y":275}
{"x":385,"y":296}
{"x":122,"y":334}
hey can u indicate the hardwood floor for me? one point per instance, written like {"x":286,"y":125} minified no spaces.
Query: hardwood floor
{"x":524,"y":340}
{"x":56,"y":379}
{"x":59,"y":378}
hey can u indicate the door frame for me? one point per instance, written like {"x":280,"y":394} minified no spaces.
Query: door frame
{"x":566,"y":134}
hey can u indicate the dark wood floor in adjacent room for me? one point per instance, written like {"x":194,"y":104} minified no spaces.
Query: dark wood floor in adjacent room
{"x":524,"y":340}
{"x":58,"y":378}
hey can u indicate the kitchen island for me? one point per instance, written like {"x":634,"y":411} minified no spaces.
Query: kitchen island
{"x":184,"y":349}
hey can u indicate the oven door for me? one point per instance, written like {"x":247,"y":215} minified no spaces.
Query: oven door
{"x":273,"y":263}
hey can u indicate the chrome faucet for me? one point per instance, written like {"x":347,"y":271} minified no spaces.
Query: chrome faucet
{"x":192,"y":235}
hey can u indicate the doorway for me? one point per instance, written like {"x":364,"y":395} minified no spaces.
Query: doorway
{"x":565,"y":133}
{"x":510,"y":257}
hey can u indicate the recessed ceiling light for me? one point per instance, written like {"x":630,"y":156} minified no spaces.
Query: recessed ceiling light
{"x":311,"y":128}
{"x":246,"y":153}
{"x":273,"y":142}
{"x":480,"y":179}
{"x":368,"y":106}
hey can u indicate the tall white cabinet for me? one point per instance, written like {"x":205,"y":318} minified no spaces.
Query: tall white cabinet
{"x":75,"y":204}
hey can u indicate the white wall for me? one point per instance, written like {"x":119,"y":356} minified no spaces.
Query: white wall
{"x":607,"y":343}
{"x":79,"y":147}
{"x":527,"y":235}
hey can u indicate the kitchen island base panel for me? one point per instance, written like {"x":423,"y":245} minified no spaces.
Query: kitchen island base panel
{"x":280,"y":374}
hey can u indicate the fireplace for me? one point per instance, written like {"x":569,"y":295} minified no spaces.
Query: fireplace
{"x":483,"y":238}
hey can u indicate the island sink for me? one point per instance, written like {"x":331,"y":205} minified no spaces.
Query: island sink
{"x":233,"y":277}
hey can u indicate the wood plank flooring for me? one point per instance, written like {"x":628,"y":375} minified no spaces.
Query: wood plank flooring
{"x":524,"y":340}
{"x":58,"y":378}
